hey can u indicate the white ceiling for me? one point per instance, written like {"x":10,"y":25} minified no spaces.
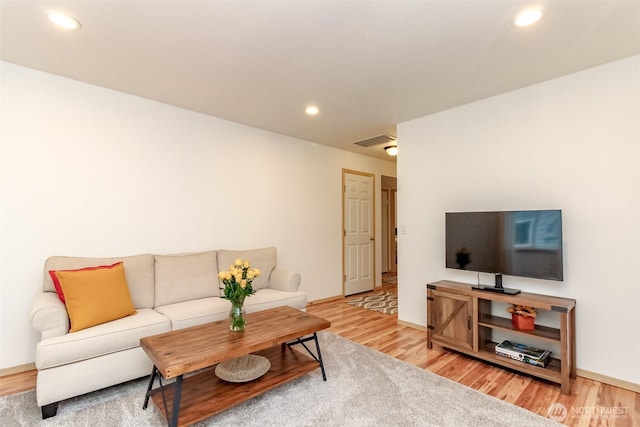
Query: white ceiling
{"x":367,"y":65}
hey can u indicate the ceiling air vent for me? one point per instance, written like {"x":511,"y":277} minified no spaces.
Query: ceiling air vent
{"x":376,"y":140}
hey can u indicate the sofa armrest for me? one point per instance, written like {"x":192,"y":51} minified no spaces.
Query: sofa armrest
{"x":284,"y":280}
{"x":49,"y":315}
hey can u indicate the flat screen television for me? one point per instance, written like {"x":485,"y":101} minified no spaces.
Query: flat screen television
{"x":515,"y":243}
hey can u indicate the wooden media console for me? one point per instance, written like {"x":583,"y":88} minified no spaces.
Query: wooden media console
{"x":460,"y":318}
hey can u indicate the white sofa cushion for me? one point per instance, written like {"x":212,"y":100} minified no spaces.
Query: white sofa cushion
{"x":184,"y":277}
{"x":138,"y":270}
{"x":110,"y":337}
{"x":263,"y":259}
{"x":196,"y":312}
{"x":265,"y":299}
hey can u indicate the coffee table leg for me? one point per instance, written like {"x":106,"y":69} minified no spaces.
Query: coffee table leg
{"x":173,"y":421}
{"x":324,"y":375}
{"x":154,"y":371}
{"x":317,"y":358}
{"x":175,"y":410}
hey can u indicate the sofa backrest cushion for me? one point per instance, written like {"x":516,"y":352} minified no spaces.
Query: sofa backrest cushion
{"x":138,"y":271}
{"x":263,"y":259}
{"x":184,"y":277}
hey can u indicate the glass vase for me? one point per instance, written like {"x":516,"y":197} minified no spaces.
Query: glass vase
{"x":237,"y":316}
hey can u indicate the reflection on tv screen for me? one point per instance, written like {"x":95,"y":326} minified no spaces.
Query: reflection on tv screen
{"x":516,"y":243}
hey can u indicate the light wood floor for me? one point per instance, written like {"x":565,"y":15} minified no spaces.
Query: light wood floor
{"x":381,"y":332}
{"x":590,"y":404}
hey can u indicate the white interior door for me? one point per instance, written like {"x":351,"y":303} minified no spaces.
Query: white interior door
{"x":359,"y":238}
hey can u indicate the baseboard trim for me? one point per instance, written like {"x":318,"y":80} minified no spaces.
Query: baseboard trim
{"x":320,"y":301}
{"x":412,"y":325}
{"x":17,"y":369}
{"x":627,"y":385}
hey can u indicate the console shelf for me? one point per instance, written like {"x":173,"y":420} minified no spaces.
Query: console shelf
{"x":460,"y":318}
{"x":503,"y":323}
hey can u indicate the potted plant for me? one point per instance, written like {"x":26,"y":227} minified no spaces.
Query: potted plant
{"x":522,"y":317}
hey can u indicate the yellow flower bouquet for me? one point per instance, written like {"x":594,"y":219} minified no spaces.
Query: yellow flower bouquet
{"x":237,"y":286}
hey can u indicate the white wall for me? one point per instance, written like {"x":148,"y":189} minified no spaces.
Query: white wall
{"x":572,"y":143}
{"x":87,"y":171}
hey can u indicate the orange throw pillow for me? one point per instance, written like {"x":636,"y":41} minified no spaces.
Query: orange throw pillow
{"x":95,"y":296}
{"x":56,"y":281}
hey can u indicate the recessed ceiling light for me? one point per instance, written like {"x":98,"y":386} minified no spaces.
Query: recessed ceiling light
{"x":312,"y":110}
{"x":64,"y":21}
{"x":527,"y":17}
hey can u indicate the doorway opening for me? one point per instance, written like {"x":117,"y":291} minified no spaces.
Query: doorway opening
{"x":389,"y":193}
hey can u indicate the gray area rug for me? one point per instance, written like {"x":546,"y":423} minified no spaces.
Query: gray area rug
{"x":364,"y":388}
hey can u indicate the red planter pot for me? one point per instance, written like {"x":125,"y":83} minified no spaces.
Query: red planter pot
{"x":523,"y":323}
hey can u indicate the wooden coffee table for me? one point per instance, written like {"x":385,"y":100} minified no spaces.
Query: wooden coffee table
{"x":269,"y":333}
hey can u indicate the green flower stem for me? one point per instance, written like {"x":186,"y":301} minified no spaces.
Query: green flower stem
{"x":237,"y":321}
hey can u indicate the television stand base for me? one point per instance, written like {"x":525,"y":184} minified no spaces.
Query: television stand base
{"x":501,"y":290}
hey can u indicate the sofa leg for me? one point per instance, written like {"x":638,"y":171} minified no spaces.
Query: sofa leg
{"x":49,"y":410}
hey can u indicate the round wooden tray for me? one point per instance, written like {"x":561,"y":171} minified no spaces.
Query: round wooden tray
{"x":243,"y":369}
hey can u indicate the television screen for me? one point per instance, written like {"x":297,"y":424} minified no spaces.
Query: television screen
{"x":515,"y":243}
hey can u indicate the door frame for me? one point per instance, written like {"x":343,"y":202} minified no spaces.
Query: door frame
{"x":385,"y":229}
{"x":392,"y":240}
{"x":390,"y":229}
{"x":344,"y":229}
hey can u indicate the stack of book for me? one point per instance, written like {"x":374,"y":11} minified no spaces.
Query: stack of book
{"x":524,"y":353}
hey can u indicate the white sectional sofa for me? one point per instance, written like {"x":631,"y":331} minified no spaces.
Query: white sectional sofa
{"x":168,"y":292}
